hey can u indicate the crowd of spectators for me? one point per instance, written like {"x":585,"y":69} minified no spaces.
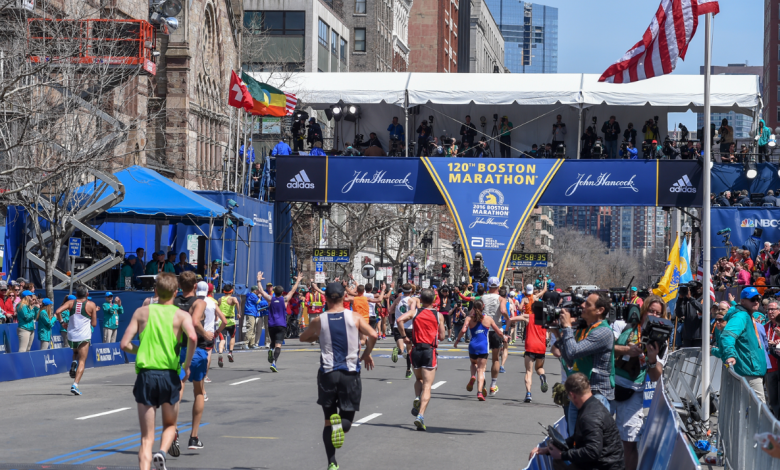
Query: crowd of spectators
{"x":742,"y":198}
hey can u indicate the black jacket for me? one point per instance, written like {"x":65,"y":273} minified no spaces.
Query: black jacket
{"x":374,"y":142}
{"x":744,"y":200}
{"x":314,"y":133}
{"x":596,"y":441}
{"x":468,"y":132}
{"x":614,"y":128}
{"x":688,"y":311}
{"x":722,"y":200}
{"x":630,"y":135}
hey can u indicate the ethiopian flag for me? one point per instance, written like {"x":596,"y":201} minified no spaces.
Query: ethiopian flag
{"x":269,"y":101}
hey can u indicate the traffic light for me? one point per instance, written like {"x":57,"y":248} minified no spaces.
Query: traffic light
{"x":445,"y":270}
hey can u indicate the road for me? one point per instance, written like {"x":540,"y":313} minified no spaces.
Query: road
{"x":257,"y":419}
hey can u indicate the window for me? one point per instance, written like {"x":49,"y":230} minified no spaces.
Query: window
{"x":360,"y":6}
{"x":343,"y":48}
{"x":334,"y":40}
{"x":360,"y":40}
{"x":323,"y":33}
{"x":284,"y":46}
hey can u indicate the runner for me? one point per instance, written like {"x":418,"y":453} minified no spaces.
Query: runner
{"x":479,"y":325}
{"x":507,"y":312}
{"x":365,"y":304}
{"x":228,"y":305}
{"x":205,"y":315}
{"x":491,"y":300}
{"x":338,"y":380}
{"x":159,"y":327}
{"x":535,"y":343}
{"x":277,"y":319}
{"x":427,"y":330}
{"x":446,"y":306}
{"x":401,"y":306}
{"x":83,"y":317}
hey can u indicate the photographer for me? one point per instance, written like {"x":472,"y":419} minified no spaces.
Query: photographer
{"x":505,"y":137}
{"x":314,"y":133}
{"x":589,"y":349}
{"x":670,"y":152}
{"x":630,"y":134}
{"x":628,"y":151}
{"x":298,"y":132}
{"x":594,"y":442}
{"x":373,"y":141}
{"x":688,"y":311}
{"x":467,"y":133}
{"x":396,"y":131}
{"x":726,"y":137}
{"x":423,"y":137}
{"x":558,"y":132}
{"x":588,"y":139}
{"x":611,"y":131}
{"x":652,"y":133}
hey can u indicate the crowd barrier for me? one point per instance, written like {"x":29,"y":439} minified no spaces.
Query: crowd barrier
{"x":682,"y":376}
{"x":740,"y":417}
{"x":16,"y":366}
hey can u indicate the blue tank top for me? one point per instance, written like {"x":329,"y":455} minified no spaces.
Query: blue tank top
{"x":278,"y":312}
{"x":479,"y":339}
{"x":339,"y":342}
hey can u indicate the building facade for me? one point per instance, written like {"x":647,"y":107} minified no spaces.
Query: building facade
{"x":771,"y":72}
{"x":531,"y":35}
{"x":377,"y":41}
{"x":638,"y":230}
{"x":741,"y":123}
{"x":433,"y":36}
{"x":486,"y":53}
{"x":401,"y":11}
{"x":593,"y":220}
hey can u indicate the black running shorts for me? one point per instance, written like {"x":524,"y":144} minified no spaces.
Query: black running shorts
{"x":396,"y":335}
{"x":478,"y":356}
{"x":231,"y":330}
{"x":339,"y":388}
{"x":276,"y":333}
{"x":533,"y":356}
{"x":157,"y":387}
{"x":372,"y":322}
{"x":496,"y":341}
{"x":423,"y":358}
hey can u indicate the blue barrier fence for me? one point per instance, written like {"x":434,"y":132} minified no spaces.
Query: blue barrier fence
{"x":16,"y":366}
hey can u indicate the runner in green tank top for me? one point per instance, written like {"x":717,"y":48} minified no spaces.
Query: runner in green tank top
{"x":228,"y":305}
{"x":159,"y":327}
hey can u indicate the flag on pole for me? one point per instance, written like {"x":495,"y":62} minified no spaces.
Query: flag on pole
{"x":685,"y":262}
{"x":666,"y":39}
{"x":700,"y":269}
{"x":239,"y":96}
{"x":670,"y":281}
{"x":268,"y":101}
{"x":292,"y":102}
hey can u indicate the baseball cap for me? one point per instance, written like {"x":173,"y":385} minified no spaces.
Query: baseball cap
{"x":749,"y":293}
{"x":46,"y":301}
{"x":109,"y":294}
{"x":633,"y":288}
{"x":211,"y":288}
{"x":655,"y":141}
{"x":202,"y":289}
{"x":493,"y":282}
{"x":161,"y":252}
{"x":26,"y":293}
{"x":3,"y":285}
{"x":71,"y":297}
{"x":131,"y":257}
{"x":334,"y":291}
{"x":529,"y":289}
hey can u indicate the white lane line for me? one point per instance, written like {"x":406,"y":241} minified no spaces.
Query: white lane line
{"x":245,"y":381}
{"x":438,"y":384}
{"x":104,"y":413}
{"x":366,"y":419}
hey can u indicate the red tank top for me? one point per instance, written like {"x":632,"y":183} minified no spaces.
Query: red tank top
{"x":536,"y":336}
{"x":425,"y":326}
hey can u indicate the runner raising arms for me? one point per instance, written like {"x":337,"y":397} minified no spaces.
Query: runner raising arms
{"x":338,"y":380}
{"x":83,"y":317}
{"x":479,"y":325}
{"x":277,"y":318}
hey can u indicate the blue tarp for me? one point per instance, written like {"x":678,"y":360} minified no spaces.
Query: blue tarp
{"x":732,"y":176}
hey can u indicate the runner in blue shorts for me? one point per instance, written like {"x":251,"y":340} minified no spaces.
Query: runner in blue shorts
{"x":479,"y":325}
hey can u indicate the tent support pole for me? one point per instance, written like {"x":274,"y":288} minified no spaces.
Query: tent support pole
{"x":705,"y":228}
{"x":406,"y":122}
{"x":248,"y":253}
{"x":235,"y":255}
{"x":222,"y":255}
{"x":579,"y":133}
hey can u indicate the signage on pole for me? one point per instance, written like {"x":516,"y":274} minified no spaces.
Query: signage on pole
{"x":318,"y":266}
{"x":331,"y":255}
{"x":319,"y":277}
{"x":74,"y":247}
{"x":368,"y":271}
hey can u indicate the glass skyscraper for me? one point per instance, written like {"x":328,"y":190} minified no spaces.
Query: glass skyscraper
{"x":530,"y":34}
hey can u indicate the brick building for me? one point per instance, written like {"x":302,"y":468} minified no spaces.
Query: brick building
{"x":433,"y":36}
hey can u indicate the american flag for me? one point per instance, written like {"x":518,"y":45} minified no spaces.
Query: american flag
{"x":666,"y":39}
{"x":700,"y":275}
{"x":292,"y":101}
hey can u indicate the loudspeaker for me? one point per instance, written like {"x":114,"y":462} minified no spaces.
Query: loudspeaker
{"x":201,"y":268}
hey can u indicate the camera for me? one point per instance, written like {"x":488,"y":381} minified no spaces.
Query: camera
{"x":478,"y":272}
{"x":495,"y":117}
{"x":548,"y":315}
{"x":657,"y":330}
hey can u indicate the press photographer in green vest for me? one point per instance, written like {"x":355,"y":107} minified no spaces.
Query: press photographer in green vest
{"x":588,"y":349}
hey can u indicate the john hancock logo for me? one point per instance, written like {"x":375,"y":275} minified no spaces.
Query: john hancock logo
{"x":490,"y":210}
{"x":48,"y":361}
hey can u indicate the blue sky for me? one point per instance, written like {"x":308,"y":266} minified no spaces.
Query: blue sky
{"x":594,"y":34}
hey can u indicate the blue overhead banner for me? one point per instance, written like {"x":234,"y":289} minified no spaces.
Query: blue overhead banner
{"x":743,"y":227}
{"x":618,"y":183}
{"x":490,"y":201}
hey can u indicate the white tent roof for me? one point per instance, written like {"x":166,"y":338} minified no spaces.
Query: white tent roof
{"x":674,"y":92}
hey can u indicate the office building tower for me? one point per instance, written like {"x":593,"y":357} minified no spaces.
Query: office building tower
{"x":530,"y":33}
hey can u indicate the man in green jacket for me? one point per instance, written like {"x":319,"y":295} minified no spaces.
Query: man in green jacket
{"x":740,"y":346}
{"x":112,"y":308}
{"x":764,"y":134}
{"x":158,"y":264}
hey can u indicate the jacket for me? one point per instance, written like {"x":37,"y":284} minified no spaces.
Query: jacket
{"x":250,"y":307}
{"x":769,"y":200}
{"x":744,"y":200}
{"x":25,"y":315}
{"x":281,"y":149}
{"x":740,"y":340}
{"x":607,"y":127}
{"x":723,"y":201}
{"x":45,"y":323}
{"x":152,"y":266}
{"x":689,"y":312}
{"x":764,"y":133}
{"x":111,"y":314}
{"x":595,"y":443}
{"x":317,"y":152}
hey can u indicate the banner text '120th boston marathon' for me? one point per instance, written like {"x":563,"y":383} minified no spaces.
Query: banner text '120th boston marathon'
{"x":490,"y":201}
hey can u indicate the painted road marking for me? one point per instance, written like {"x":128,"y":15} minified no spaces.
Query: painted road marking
{"x":250,"y":437}
{"x":245,"y":381}
{"x":104,"y":413}
{"x":438,"y":384}
{"x":135,"y":443}
{"x":366,"y":419}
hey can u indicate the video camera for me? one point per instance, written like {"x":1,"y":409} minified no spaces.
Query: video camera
{"x":548,"y":315}
{"x":478,"y":272}
{"x":657,"y":330}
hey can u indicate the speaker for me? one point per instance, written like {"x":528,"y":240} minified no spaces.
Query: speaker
{"x":201,"y":268}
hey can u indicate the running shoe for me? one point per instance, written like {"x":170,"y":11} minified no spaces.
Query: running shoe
{"x":528,"y":397}
{"x":174,"y":451}
{"x":220,"y":362}
{"x":230,"y":357}
{"x":337,"y":436}
{"x":205,"y":396}
{"x":158,"y":460}
{"x":501,"y":370}
{"x":393,"y":356}
{"x":416,"y":407}
{"x":420,"y":423}
{"x":545,"y":387}
{"x":493,"y":391}
{"x":333,"y":466}
{"x":73,"y":366}
{"x":195,"y":443}
{"x":270,"y":356}
{"x":484,"y":390}
{"x":408,"y":374}
{"x":207,"y":380}
{"x":273,"y":368}
{"x":470,"y":385}
{"x":480,"y":396}
{"x":74,"y":389}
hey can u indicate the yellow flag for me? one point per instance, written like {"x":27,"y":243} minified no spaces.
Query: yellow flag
{"x":667,"y":286}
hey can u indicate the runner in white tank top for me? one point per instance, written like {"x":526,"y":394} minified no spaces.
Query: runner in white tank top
{"x":83,"y":319}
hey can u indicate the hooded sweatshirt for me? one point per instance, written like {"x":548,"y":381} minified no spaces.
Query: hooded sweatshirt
{"x":763,"y":133}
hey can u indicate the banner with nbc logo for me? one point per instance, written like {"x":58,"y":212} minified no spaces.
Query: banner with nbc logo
{"x":743,"y":227}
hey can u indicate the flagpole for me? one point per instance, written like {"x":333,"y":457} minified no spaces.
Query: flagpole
{"x":705,"y":228}
{"x":238,"y":149}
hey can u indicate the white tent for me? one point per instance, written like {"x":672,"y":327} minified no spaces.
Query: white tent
{"x":531,"y":101}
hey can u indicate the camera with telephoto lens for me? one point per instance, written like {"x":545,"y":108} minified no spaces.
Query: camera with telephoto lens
{"x":548,"y":315}
{"x":657,"y":330}
{"x":478,"y":272}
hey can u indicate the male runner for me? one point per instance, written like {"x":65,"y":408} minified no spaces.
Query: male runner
{"x":338,"y":380}
{"x":228,"y":305}
{"x":83,"y":317}
{"x":507,"y":311}
{"x":205,"y":314}
{"x":277,"y":318}
{"x":401,"y":307}
{"x":496,"y":341}
{"x":159,"y":327}
{"x":535,"y":342}
{"x":428,"y":329}
{"x":364,"y":304}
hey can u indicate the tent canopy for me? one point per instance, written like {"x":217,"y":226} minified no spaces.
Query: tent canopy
{"x":150,"y":195}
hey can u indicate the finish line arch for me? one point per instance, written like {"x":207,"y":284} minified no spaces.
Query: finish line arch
{"x":489,"y":199}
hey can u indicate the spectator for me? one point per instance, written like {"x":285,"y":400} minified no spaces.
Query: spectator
{"x":314,"y":133}
{"x":731,"y":155}
{"x":45,"y":322}
{"x":723,"y":199}
{"x":739,"y":341}
{"x":253,"y":326}
{"x":629,"y":135}
{"x":630,"y":153}
{"x":281,"y":149}
{"x":769,"y":198}
{"x":718,"y":323}
{"x":6,"y":303}
{"x":183,"y":265}
{"x":746,"y":260}
{"x":772,"y":378}
{"x":763,"y":132}
{"x":128,"y":273}
{"x":743,"y":275}
{"x":759,"y":282}
{"x":26,"y":312}
{"x":257,"y":175}
{"x":611,"y":131}
{"x":112,"y":308}
{"x":634,"y":296}
{"x":316,"y":149}
{"x":688,"y":311}
{"x":595,"y":441}
{"x":743,"y":198}
{"x":736,"y":255}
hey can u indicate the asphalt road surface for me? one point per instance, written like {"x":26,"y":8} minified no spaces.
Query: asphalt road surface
{"x":256,"y":419}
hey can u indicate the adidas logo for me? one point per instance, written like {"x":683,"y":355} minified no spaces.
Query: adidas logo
{"x":683,"y":185}
{"x":301,"y":180}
